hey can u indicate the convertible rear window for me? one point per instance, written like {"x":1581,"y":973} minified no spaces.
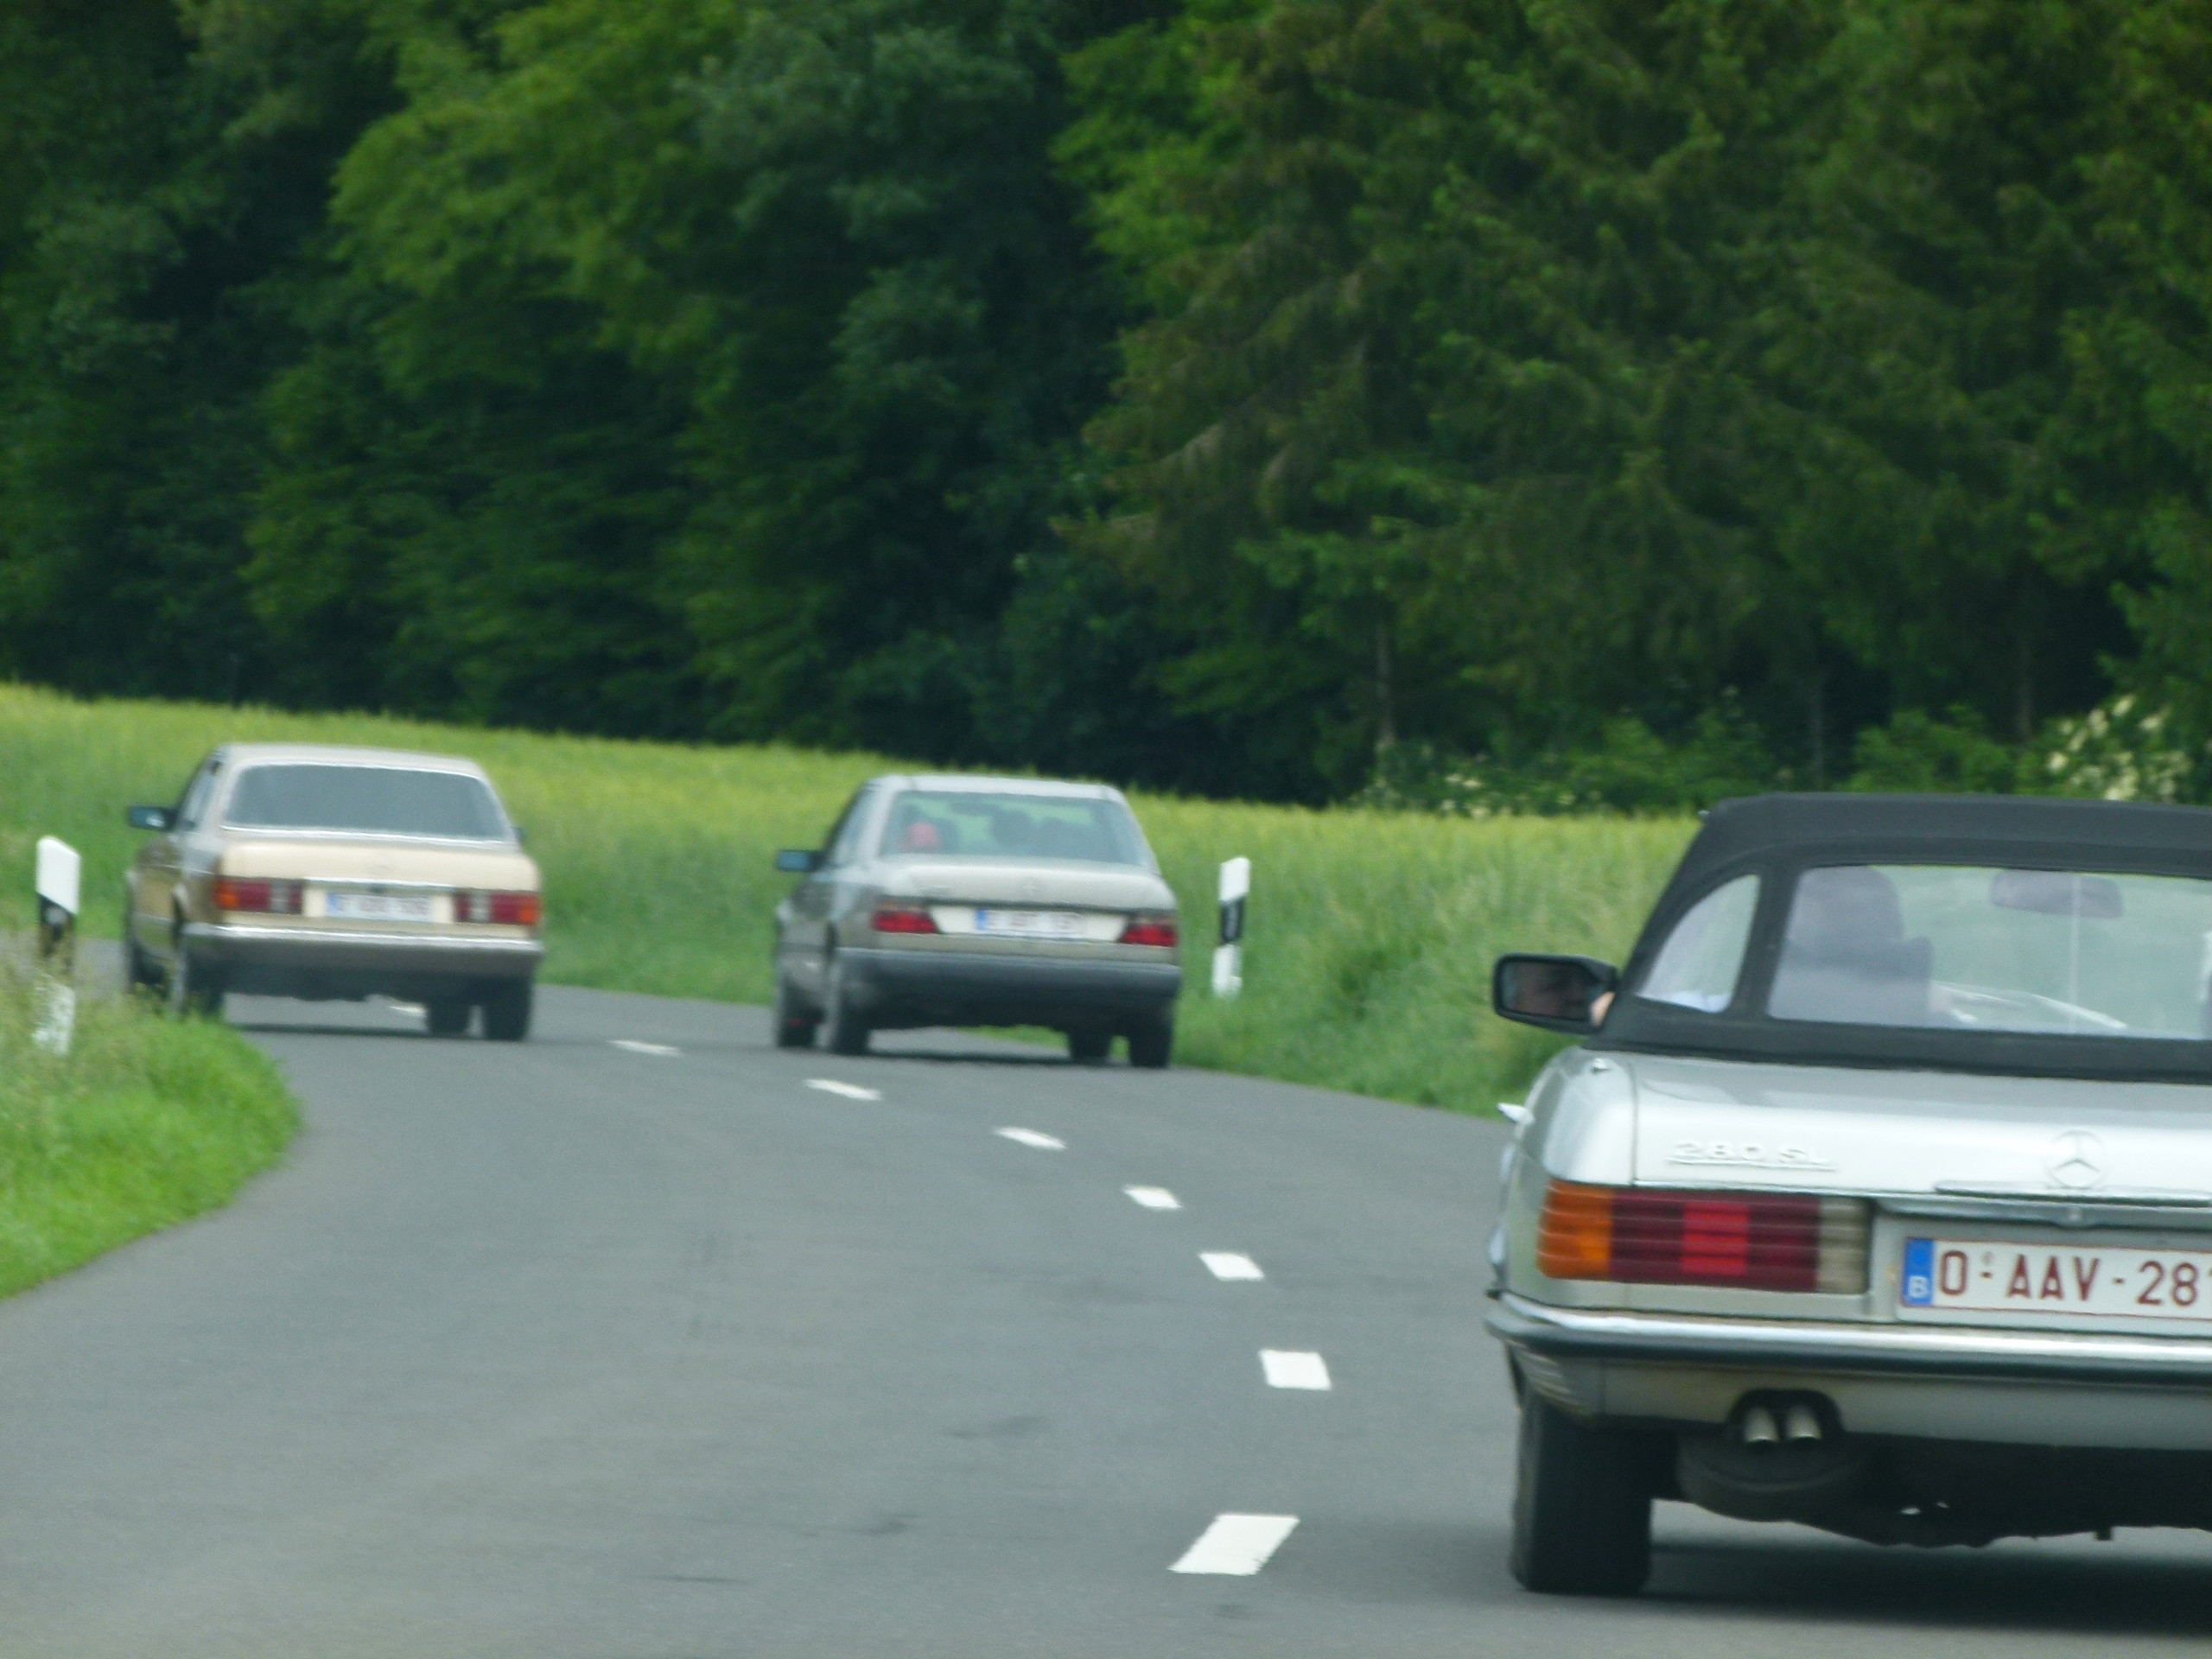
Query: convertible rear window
{"x":1703,"y":958}
{"x":367,"y":800}
{"x":927,"y":824}
{"x":1958,"y":947}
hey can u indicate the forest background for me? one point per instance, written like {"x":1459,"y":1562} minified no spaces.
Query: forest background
{"x":1477,"y":404}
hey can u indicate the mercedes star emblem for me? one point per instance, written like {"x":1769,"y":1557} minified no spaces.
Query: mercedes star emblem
{"x":2076,"y":1159}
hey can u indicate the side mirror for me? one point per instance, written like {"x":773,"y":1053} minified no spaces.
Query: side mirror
{"x":793,"y":862}
{"x":152,"y":817}
{"x":1569,"y":994}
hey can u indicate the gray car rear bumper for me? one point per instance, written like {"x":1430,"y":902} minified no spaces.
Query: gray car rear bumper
{"x":929,"y":987}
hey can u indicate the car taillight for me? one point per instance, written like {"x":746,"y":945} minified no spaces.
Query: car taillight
{"x":1145,"y":928}
{"x":1754,"y":1241}
{"x":264,"y":898}
{"x":503,"y":909}
{"x":903,"y":916}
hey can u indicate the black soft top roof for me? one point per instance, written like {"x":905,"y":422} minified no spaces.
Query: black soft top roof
{"x":1977,"y":829}
{"x":1776,"y":836}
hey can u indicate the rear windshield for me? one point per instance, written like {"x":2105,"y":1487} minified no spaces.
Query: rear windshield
{"x":1965,"y":949}
{"x":962,"y":824}
{"x":367,"y":800}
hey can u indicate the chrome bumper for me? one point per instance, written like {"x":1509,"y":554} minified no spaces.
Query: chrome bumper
{"x":2021,"y":1387}
{"x":350,"y":956}
{"x":1901,"y":1350}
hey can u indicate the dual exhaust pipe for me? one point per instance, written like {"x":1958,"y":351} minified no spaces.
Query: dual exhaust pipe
{"x":1790,"y":1423}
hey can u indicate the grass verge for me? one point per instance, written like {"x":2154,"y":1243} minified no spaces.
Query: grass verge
{"x":146,"y":1122}
{"x":1369,"y":939}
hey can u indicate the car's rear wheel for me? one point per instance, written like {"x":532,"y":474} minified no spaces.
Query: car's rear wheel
{"x":446,"y":1018}
{"x":143,"y":976}
{"x":195,"y":989}
{"x":1090,"y":1047}
{"x":507,"y":1009}
{"x":844,"y":1030}
{"x":793,"y":1023}
{"x":1581,"y":1505}
{"x":1151,"y":1046}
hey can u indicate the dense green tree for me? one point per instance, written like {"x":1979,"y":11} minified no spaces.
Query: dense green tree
{"x":736,"y":346}
{"x":150,"y":205}
{"x":1213,"y":393}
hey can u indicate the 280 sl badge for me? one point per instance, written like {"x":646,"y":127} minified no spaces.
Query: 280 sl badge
{"x":1746,"y":1154}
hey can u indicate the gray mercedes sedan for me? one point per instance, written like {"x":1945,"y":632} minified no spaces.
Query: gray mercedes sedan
{"x":1876,"y":1194}
{"x":980,"y":901}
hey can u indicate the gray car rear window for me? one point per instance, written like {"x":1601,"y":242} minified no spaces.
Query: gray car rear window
{"x":366,"y":800}
{"x":927,"y":824}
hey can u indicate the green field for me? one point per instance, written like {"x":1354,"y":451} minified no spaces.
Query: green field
{"x":145,"y":1122}
{"x":1369,"y":941}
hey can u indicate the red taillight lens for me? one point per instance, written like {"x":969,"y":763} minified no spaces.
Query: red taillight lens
{"x":1150,"y":929}
{"x":262,"y":898}
{"x":1754,"y":1241}
{"x":903,"y":916}
{"x":517,"y":909}
{"x":503,"y":909}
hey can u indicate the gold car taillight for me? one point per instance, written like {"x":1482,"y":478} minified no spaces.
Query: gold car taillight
{"x":503,"y":909}
{"x":1747,"y":1241}
{"x":255,"y":896}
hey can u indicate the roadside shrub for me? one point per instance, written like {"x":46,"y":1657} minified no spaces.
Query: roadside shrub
{"x":144,"y":1123}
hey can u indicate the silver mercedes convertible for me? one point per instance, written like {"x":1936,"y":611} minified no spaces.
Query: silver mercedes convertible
{"x":1877,"y":1193}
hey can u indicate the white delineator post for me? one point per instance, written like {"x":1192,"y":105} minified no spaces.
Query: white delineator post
{"x":1229,"y":955}
{"x":60,"y":886}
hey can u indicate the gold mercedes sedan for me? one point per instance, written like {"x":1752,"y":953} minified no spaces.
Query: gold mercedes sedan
{"x":334,"y":874}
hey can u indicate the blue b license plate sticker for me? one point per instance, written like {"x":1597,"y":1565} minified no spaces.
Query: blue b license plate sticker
{"x":1919,"y":1273}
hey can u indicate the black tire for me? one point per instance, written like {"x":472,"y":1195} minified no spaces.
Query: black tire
{"x":1151,"y":1046}
{"x":793,"y":1022}
{"x":1581,"y":1505}
{"x":843,"y":1030}
{"x":138,"y":968}
{"x":507,"y":1011}
{"x":1090,"y":1047}
{"x":448,"y":1018}
{"x":195,"y":991}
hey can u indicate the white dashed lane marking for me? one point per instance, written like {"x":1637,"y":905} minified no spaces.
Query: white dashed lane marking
{"x":1228,"y":1264}
{"x":1237,"y":1546}
{"x":1155,"y":1197}
{"x":1287,"y":1370}
{"x":1032,"y":1138}
{"x":849,"y":1090}
{"x":631,"y":1044}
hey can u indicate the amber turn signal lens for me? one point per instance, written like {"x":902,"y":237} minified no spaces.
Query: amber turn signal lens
{"x":1574,"y":1240}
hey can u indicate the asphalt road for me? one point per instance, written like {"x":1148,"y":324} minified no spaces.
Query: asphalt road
{"x":580,"y":1350}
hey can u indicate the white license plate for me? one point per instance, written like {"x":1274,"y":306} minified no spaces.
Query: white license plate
{"x":1032,"y":924}
{"x":380,"y":907}
{"x":1985,"y":1277}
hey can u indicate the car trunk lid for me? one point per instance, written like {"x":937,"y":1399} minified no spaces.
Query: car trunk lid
{"x":1937,"y":1134}
{"x":1073,"y":885}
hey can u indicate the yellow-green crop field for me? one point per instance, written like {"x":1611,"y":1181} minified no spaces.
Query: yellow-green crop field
{"x":1368,"y":943}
